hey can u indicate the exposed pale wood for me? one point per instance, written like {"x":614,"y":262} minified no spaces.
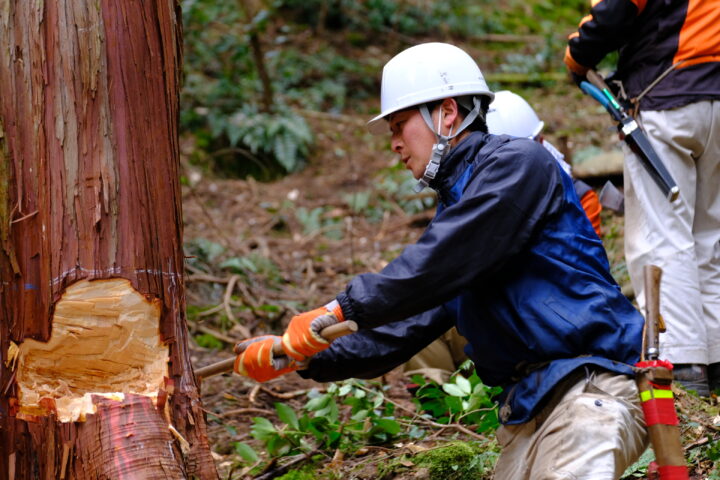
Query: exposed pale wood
{"x":105,"y":341}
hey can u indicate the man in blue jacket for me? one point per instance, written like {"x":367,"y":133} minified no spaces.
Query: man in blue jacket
{"x":512,"y":261}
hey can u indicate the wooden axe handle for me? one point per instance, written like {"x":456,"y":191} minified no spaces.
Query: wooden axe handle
{"x":597,"y":80}
{"x":652,"y":275}
{"x":330,"y":333}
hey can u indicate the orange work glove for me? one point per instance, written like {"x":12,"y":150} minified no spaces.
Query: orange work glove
{"x":257,"y":360}
{"x":302,"y":338}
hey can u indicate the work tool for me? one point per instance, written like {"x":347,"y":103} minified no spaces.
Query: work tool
{"x":612,"y":198}
{"x":330,"y":333}
{"x":654,"y":381}
{"x":631,"y":134}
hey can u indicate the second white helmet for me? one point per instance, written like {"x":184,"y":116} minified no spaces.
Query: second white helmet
{"x":424,"y":73}
{"x":510,"y":114}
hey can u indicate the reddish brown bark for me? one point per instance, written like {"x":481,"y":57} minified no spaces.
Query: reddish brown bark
{"x":89,"y":190}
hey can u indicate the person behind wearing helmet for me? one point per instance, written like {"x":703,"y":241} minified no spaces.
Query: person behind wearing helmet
{"x":510,"y":261}
{"x":510,"y":114}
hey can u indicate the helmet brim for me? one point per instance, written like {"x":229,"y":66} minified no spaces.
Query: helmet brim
{"x":378,"y":125}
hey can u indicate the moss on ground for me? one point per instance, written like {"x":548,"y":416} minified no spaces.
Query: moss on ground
{"x":304,"y":474}
{"x":451,"y":461}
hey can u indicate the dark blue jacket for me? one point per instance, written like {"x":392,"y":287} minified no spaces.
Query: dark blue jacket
{"x":512,"y":260}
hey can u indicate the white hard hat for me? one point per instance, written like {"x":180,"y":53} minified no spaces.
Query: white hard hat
{"x":510,"y":114}
{"x":424,"y":73}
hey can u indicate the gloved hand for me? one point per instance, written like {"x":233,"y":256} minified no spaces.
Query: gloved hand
{"x":256,"y":359}
{"x":302,"y":338}
{"x":577,"y":78}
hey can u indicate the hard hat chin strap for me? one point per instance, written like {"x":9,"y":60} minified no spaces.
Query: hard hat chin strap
{"x":442,"y":147}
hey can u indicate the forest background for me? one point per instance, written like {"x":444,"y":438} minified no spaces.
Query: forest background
{"x":286,"y":196}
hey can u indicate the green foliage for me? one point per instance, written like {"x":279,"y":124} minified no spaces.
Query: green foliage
{"x":207,"y":340}
{"x":449,"y":461}
{"x":355,"y":413}
{"x":223,"y":91}
{"x":205,"y":255}
{"x":246,"y":452}
{"x":371,"y":16}
{"x":393,"y":190}
{"x":639,"y":468}
{"x":304,"y":474}
{"x":281,"y":136}
{"x":321,"y":425}
{"x":396,"y":185}
{"x":323,"y":79}
{"x":253,"y":263}
{"x":318,"y":221}
{"x":713,"y":450}
{"x":200,"y":251}
{"x":460,"y":18}
{"x":464,"y":400}
{"x":224,"y":96}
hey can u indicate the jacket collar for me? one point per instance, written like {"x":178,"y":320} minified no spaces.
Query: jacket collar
{"x":459,"y":158}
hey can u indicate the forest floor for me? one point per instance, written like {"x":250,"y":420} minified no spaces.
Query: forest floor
{"x":260,"y":252}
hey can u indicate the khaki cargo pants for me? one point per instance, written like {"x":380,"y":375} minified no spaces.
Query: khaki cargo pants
{"x":592,"y":429}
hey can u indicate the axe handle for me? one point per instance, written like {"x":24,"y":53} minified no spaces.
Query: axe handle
{"x":632,"y":134}
{"x":595,"y":78}
{"x":330,"y":333}
{"x":651,"y":277}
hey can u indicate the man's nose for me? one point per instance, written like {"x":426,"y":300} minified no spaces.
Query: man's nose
{"x":395,"y":144}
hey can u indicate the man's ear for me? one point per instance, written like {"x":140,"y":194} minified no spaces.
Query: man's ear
{"x":451,"y":113}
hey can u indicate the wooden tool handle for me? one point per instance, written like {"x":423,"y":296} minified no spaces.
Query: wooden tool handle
{"x":651,"y":276}
{"x":330,"y":333}
{"x":597,"y":80}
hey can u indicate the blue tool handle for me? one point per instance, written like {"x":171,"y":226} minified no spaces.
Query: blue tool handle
{"x":602,"y":98}
{"x":595,"y":93}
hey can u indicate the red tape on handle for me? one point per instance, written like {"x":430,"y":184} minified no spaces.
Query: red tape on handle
{"x":660,"y":411}
{"x":673,"y":472}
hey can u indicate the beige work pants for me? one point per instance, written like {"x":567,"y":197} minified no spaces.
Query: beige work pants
{"x":592,"y":429}
{"x":440,"y":359}
{"x":683,"y":238}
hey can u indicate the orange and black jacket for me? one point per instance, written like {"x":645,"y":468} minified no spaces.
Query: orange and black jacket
{"x":652,"y":36}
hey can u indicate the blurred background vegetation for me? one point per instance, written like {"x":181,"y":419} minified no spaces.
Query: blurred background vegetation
{"x":253,"y":66}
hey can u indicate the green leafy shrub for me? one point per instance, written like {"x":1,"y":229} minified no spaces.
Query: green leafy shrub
{"x":223,"y":92}
{"x":464,"y":400}
{"x":397,"y":184}
{"x":278,"y":139}
{"x":323,"y":427}
{"x":324,"y":79}
{"x":317,"y":220}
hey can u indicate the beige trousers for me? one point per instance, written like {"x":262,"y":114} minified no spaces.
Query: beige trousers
{"x":440,"y":359}
{"x":683,"y":238}
{"x":592,"y":429}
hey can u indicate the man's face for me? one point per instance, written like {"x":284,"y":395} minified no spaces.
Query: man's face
{"x":412,"y":140}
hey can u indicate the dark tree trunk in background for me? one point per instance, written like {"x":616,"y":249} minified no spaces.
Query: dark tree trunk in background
{"x":95,"y":380}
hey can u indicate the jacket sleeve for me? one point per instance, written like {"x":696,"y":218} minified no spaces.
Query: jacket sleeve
{"x":511,"y":192}
{"x":607,"y":28}
{"x":372,"y":352}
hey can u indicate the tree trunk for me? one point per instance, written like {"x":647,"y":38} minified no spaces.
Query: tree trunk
{"x":95,"y":380}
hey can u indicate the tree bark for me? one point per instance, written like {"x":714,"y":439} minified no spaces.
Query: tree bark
{"x":95,"y":380}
